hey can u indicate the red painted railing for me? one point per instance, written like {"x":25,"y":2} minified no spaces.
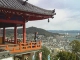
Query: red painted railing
{"x":22,"y":47}
{"x":11,"y":41}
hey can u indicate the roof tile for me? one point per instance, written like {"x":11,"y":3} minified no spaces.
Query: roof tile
{"x":17,"y":5}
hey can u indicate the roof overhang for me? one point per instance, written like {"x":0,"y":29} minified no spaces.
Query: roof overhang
{"x":28,"y":16}
{"x":28,"y":11}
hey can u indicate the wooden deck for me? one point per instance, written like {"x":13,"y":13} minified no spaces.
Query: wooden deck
{"x":22,"y":47}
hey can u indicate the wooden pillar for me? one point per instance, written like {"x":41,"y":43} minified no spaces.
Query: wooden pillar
{"x":24,"y":32}
{"x":4,"y":35}
{"x":15,"y":34}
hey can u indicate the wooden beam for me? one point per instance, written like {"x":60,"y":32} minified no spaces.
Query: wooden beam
{"x":25,"y":14}
{"x":11,"y":21}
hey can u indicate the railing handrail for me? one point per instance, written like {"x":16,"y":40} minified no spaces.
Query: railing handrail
{"x":21,"y":47}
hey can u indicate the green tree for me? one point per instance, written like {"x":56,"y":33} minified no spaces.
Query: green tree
{"x":37,"y":56}
{"x":75,"y":46}
{"x":65,"y":56}
{"x":45,"y":53}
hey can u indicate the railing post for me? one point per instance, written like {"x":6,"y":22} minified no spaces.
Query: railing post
{"x":36,"y":44}
{"x":26,"y":46}
{"x":31,"y":44}
{"x":13,"y":49}
{"x":40,"y":44}
{"x":7,"y":47}
{"x":20,"y":46}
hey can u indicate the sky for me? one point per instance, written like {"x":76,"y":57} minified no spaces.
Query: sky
{"x":67,"y":15}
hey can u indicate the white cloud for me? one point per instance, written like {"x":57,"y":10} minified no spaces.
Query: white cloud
{"x":33,"y":1}
{"x":60,"y":15}
{"x":65,"y":18}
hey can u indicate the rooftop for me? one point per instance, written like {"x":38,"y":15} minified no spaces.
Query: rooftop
{"x":24,"y":6}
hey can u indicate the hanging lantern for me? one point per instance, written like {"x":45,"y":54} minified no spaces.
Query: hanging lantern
{"x":48,"y":21}
{"x":52,"y":17}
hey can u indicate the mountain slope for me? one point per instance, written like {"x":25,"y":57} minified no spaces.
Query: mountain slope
{"x":39,"y":30}
{"x":31,"y":30}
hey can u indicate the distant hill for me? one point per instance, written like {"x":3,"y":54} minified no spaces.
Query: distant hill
{"x":64,"y":31}
{"x":32,"y":30}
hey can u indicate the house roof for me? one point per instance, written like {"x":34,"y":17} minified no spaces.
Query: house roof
{"x":27,"y":7}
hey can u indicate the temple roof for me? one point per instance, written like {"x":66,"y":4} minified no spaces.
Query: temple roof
{"x":24,"y":6}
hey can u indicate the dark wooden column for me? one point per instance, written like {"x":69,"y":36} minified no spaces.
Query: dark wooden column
{"x":15,"y":34}
{"x":24,"y":32}
{"x":4,"y":35}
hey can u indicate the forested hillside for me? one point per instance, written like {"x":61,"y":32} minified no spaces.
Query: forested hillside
{"x":31,"y":30}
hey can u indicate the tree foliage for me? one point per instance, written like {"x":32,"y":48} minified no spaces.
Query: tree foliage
{"x":31,"y":30}
{"x":65,"y":56}
{"x":45,"y":53}
{"x":75,"y":46}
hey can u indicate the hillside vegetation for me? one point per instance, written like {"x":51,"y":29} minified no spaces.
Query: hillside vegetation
{"x":32,"y":30}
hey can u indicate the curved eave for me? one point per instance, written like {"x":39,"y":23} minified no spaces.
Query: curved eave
{"x":28,"y":16}
{"x":17,"y":5}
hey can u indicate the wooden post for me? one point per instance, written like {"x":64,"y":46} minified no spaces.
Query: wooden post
{"x":24,"y":32}
{"x":4,"y":35}
{"x":15,"y":34}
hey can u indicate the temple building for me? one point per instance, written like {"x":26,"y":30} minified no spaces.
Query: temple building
{"x":16,"y":13}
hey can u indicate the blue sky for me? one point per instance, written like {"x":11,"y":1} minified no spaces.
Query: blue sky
{"x":67,"y":14}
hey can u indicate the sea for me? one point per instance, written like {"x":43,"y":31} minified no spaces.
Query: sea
{"x":70,"y":34}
